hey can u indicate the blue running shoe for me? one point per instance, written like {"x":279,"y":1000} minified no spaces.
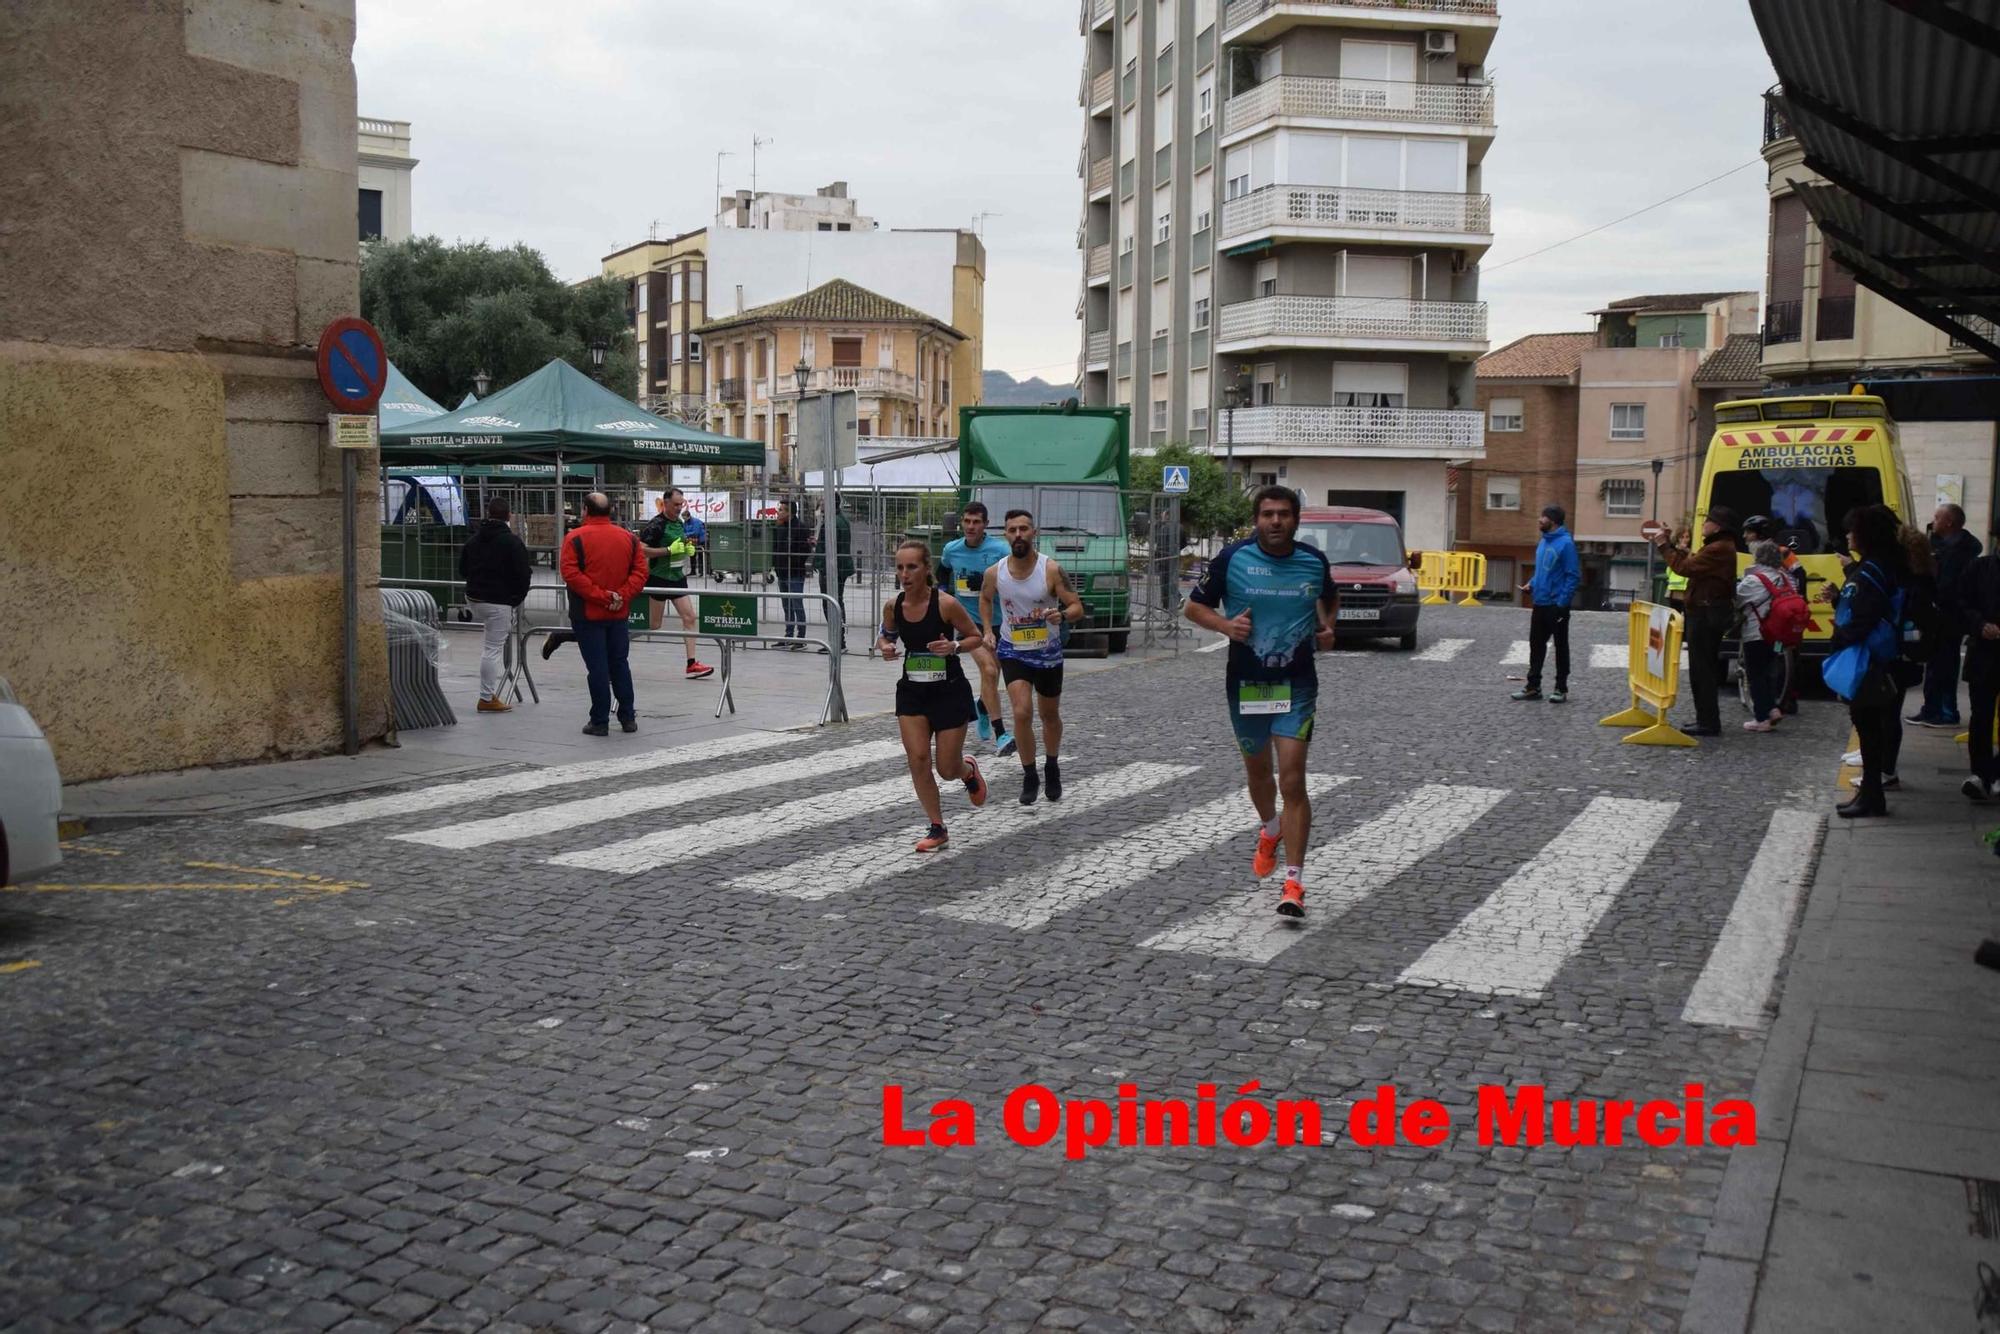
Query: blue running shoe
{"x":1005,"y":745}
{"x":985,"y":723}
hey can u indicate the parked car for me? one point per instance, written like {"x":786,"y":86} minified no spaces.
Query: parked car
{"x":30,"y":795}
{"x":1378,"y":594}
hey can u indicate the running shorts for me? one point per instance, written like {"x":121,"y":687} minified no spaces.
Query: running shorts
{"x":944,"y":704}
{"x":1047,"y":681}
{"x":1255,"y":730}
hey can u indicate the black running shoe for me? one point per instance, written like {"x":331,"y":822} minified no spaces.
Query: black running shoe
{"x":1031,"y":786}
{"x":554,"y":642}
{"x":597,"y":729}
{"x":1052,"y":779}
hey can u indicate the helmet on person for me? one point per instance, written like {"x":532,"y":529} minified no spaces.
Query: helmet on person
{"x":1760,"y":525}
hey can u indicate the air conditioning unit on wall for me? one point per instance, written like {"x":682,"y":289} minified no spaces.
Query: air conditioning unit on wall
{"x":1440,"y":42}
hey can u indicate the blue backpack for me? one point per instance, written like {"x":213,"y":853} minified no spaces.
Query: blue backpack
{"x":1847,"y":670}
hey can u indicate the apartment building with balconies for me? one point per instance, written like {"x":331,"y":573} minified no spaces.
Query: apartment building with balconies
{"x":1283,"y":213}
{"x":668,"y":303}
{"x":897,"y":360}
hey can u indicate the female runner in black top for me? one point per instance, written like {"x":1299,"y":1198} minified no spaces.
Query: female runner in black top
{"x":933,"y":698}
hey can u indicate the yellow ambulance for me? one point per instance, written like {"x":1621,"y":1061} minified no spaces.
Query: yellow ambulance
{"x":1804,"y":462}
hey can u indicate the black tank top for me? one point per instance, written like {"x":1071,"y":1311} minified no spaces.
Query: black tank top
{"x":920,"y":663}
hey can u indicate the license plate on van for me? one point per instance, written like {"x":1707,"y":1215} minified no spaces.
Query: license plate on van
{"x":1360,"y":614}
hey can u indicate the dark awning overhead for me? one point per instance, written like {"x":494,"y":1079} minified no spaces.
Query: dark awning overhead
{"x":1897,"y":104}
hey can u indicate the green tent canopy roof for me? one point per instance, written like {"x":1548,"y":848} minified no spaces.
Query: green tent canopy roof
{"x":559,"y":409}
{"x":403,"y":404}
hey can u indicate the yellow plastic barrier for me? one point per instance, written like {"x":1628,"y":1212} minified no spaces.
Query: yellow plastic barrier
{"x":1653,"y":664}
{"x":1442,"y":572}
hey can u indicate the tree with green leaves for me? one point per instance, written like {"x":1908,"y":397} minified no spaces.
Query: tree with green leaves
{"x":1215,"y":505}
{"x":446,"y":312}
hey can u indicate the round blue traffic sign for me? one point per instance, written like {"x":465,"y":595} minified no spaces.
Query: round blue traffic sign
{"x":353,"y":368}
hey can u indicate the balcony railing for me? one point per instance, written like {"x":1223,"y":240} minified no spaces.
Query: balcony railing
{"x":1242,"y":11}
{"x":1100,"y":89}
{"x":1100,"y":175}
{"x":1977,"y":324}
{"x":1776,"y":127}
{"x":1097,"y":348}
{"x":878,"y":382}
{"x":1100,"y":10}
{"x":1418,"y":430}
{"x":1783,"y":321}
{"x":729,"y":389}
{"x":1099,"y":264}
{"x":1834,"y":318}
{"x":1360,"y":318}
{"x":1337,"y":209}
{"x":1359,"y":99}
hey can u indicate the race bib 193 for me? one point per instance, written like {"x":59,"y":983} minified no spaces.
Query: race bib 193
{"x":924,"y":667}
{"x":1263,"y":697}
{"x":1028,"y":634}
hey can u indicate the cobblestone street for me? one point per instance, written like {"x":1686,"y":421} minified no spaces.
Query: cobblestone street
{"x":603,"y":1045}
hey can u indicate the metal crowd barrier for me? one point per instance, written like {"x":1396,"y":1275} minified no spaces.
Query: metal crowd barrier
{"x":410,"y":622}
{"x":1442,"y":572}
{"x":1653,"y":666}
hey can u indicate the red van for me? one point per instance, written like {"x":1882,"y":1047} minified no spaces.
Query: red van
{"x":1378,"y":594}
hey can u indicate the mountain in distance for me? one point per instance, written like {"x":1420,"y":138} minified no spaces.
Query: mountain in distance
{"x":998,"y":389}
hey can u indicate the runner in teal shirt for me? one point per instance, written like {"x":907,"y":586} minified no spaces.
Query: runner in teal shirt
{"x":961,"y":570}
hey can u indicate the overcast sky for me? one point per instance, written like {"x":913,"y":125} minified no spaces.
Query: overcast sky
{"x":576,"y":127}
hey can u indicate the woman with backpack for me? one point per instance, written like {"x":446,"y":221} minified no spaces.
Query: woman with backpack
{"x":1868,"y":619}
{"x":1773,"y":619}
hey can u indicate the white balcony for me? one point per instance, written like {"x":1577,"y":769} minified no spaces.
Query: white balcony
{"x":1099,"y":12}
{"x":1335,"y":213}
{"x":867,"y":381}
{"x":1097,"y":350}
{"x":1304,"y":432}
{"x":1342,"y":322}
{"x":1097,"y":268}
{"x":1260,"y":22}
{"x":1456,"y":108}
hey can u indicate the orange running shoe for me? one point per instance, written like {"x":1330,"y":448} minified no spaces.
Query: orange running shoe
{"x":975,"y":784}
{"x":1266,"y":860}
{"x":933,"y":840}
{"x":1292,"y":903}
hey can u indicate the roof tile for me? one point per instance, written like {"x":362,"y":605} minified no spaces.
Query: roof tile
{"x":1537,"y":357}
{"x":835,"y":302}
{"x":1740,"y":360}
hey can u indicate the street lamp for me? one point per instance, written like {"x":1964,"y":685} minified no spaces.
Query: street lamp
{"x":1659,"y":466}
{"x":481,"y":382}
{"x":598,"y":347}
{"x":1232,"y":396}
{"x":801,"y":373}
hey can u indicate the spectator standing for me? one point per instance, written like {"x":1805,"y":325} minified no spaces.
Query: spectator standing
{"x":604,"y":567}
{"x":1867,"y":599}
{"x":1758,"y":528}
{"x":1952,"y":552}
{"x":498,"y":572}
{"x":1557,"y":573}
{"x":1710,"y":571}
{"x":1978,"y":602}
{"x":791,"y":550}
{"x":1757,"y":594}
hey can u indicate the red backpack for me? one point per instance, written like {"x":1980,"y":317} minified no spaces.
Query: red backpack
{"x":1785,"y":619}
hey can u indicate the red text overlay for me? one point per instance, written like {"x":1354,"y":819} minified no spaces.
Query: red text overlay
{"x":1036,"y":1117}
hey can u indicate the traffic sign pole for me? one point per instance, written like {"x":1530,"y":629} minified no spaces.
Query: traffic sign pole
{"x":353,"y":368}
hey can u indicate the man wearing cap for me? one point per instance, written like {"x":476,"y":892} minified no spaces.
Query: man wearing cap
{"x":1710,"y":571}
{"x":1557,"y":573}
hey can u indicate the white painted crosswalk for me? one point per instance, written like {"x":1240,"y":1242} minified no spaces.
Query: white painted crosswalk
{"x":709,"y":782}
{"x":1517,"y":940}
{"x":1444,"y":650}
{"x":529,"y":780}
{"x":1034,"y":898}
{"x":850,"y":868}
{"x":1350,"y":868}
{"x":1051,"y":860}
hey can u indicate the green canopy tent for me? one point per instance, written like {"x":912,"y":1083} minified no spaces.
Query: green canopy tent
{"x":403,"y":404}
{"x":466,"y":402}
{"x":557,"y":414}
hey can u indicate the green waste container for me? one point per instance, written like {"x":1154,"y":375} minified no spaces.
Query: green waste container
{"x":740,"y":551}
{"x":425,"y":552}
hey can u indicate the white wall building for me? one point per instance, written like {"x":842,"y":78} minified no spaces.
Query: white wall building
{"x":385,"y":169}
{"x":827,"y":209}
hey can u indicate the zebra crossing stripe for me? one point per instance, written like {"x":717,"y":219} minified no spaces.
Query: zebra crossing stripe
{"x":1517,"y":654}
{"x":529,"y":780}
{"x":659,"y":796}
{"x":736,"y":831}
{"x":1610,"y":656}
{"x":1358,"y":863}
{"x":1034,"y":897}
{"x":1736,"y":981}
{"x":1517,"y":940}
{"x":850,"y":868}
{"x":1443,"y":651}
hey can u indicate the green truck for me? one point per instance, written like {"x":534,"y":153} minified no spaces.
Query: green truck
{"x":1070,"y":467}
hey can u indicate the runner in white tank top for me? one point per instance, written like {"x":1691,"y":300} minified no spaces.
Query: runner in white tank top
{"x":1027,"y":601}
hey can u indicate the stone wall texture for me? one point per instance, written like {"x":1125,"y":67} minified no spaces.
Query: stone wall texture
{"x":180,"y":228}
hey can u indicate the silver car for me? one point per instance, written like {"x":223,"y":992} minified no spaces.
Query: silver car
{"x":30,"y":795}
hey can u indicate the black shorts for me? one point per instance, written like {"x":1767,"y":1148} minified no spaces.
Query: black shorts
{"x":944,"y":704}
{"x":677,"y":581}
{"x":1047,"y":681}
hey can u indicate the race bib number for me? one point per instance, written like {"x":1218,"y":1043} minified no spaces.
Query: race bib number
{"x":1263,"y":697}
{"x":1028,"y":634}
{"x":925,"y":667}
{"x":962,"y":586}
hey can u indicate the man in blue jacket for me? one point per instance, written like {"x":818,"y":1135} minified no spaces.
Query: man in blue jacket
{"x":1557,"y":574}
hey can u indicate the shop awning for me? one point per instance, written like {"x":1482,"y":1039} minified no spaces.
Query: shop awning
{"x":1893,"y":103}
{"x":558,"y":410}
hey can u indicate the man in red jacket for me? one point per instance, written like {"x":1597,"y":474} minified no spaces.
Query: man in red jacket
{"x":605,"y":567}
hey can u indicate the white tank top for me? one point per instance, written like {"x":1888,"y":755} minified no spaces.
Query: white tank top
{"x":1024,"y":635}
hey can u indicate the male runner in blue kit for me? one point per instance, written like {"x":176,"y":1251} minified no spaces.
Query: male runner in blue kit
{"x":1275,"y":600}
{"x":962,"y":570}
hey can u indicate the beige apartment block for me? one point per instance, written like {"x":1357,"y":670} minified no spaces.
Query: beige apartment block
{"x":170,"y":527}
{"x":668,"y":302}
{"x":1823,"y":328}
{"x":896,"y":359}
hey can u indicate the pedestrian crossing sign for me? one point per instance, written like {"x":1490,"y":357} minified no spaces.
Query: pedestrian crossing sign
{"x":1174,"y":479}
